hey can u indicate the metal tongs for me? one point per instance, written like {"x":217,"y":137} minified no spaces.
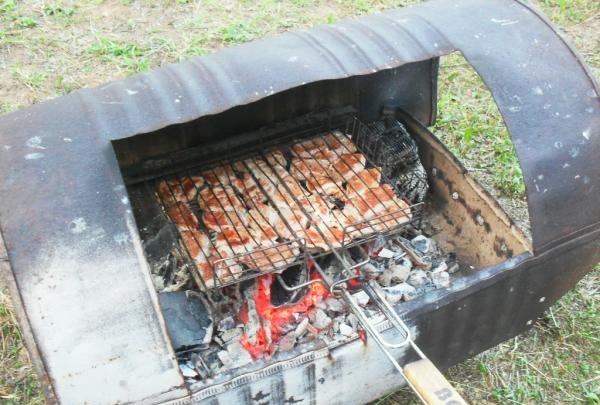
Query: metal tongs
{"x":422,"y":376}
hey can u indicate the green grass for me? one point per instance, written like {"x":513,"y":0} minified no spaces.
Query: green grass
{"x":237,"y":32}
{"x":470,"y":124}
{"x":132,"y":57}
{"x":18,"y":383}
{"x":50,"y":48}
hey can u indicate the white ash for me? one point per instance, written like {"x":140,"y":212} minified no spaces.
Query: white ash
{"x":361,"y":298}
{"x":187,"y":370}
{"x":319,"y":319}
{"x":346,"y":330}
{"x":441,"y":279}
{"x":441,"y":267}
{"x":422,"y":243}
{"x":417,"y":278}
{"x":371,"y":271}
{"x":408,"y":268}
{"x":253,"y":325}
{"x":400,"y":270}
{"x":301,"y":328}
{"x":237,"y":354}
{"x":335,"y":305}
{"x":230,"y":335}
{"x":400,"y":292}
{"x":226,"y":324}
{"x":352,"y":320}
{"x":287,"y":342}
{"x":267,"y":328}
{"x":453,"y":268}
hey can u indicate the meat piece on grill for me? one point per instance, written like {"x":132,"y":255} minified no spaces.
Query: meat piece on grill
{"x":261,"y":219}
{"x":262,"y":169}
{"x":394,"y":217}
{"x":349,"y":164}
{"x":272,"y":258}
{"x":206,"y":273}
{"x":306,"y":149}
{"x":292,"y":222}
{"x":294,"y":188}
{"x":318,"y":208}
{"x":191,"y":185}
{"x":172,"y":191}
{"x":219,"y":199}
{"x":216,"y":220}
{"x":225,"y":269}
{"x":182,"y":216}
{"x":351,"y":222}
{"x":340,"y":143}
{"x":251,"y":190}
{"x":275,"y":158}
{"x":197,"y":244}
{"x":234,"y":241}
{"x":363,"y":180}
{"x":219,"y":176}
{"x":325,"y":185}
{"x":303,"y":169}
{"x":325,"y":156}
{"x":323,"y":237}
{"x":374,"y":204}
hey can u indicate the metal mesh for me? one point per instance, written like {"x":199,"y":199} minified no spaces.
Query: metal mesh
{"x":258,"y":213}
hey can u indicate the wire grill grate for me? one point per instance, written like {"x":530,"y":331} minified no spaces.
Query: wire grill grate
{"x":264,"y":211}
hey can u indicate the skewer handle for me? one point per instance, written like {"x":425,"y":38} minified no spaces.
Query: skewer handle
{"x":431,"y":384}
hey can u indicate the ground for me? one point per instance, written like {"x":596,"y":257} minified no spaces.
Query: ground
{"x":50,"y":48}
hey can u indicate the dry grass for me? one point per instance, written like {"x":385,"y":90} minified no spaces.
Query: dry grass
{"x":49,"y":48}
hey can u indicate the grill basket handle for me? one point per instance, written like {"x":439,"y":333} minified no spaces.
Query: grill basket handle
{"x":430,"y":383}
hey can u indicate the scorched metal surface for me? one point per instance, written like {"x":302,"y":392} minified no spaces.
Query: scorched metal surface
{"x":80,"y":278}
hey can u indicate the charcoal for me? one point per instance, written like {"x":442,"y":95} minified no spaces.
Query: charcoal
{"x":402,"y":291}
{"x":200,"y":366}
{"x":346,"y":330}
{"x":441,"y":279}
{"x":361,"y":298}
{"x":239,"y":356}
{"x":337,"y":322}
{"x":230,"y":334}
{"x":440,"y":267}
{"x":301,"y":328}
{"x":187,"y":318}
{"x":335,"y":305}
{"x":225,"y":358}
{"x":320,"y":320}
{"x":422,"y":244}
{"x":252,"y":327}
{"x":453,"y":268}
{"x":385,"y":278}
{"x":370,"y":270}
{"x":267,"y":328}
{"x":386,"y":253}
{"x":352,"y":320}
{"x":187,"y":370}
{"x":400,"y":270}
{"x":417,"y":278}
{"x":226,"y":324}
{"x":287,"y":342}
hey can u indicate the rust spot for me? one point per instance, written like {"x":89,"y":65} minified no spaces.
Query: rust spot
{"x":501,"y":248}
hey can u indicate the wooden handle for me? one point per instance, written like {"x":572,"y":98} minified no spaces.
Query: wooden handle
{"x":431,"y":384}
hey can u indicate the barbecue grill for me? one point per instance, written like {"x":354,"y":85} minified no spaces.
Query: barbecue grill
{"x":85,"y":230}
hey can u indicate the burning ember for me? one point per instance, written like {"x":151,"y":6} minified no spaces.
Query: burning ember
{"x":273,"y":320}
